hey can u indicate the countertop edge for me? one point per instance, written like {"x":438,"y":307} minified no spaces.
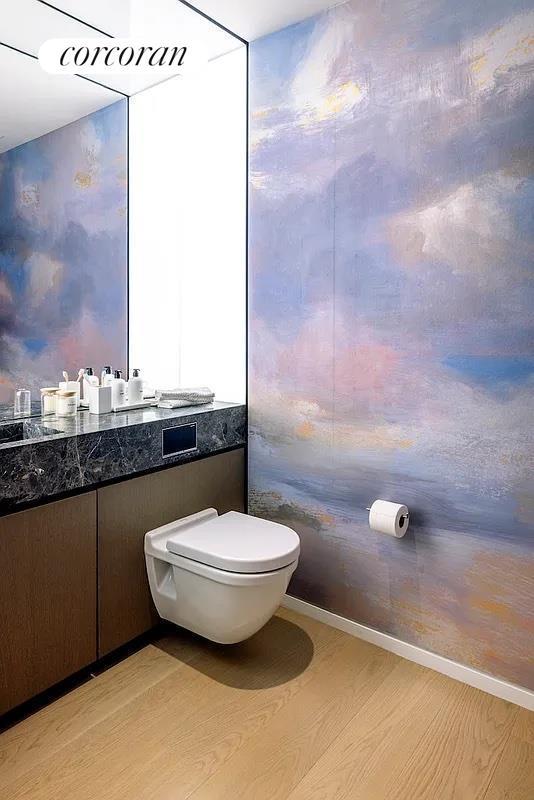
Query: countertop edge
{"x":54,"y":467}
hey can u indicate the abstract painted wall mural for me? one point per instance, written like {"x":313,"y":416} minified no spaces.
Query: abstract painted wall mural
{"x":392,"y":316}
{"x":63,"y":252}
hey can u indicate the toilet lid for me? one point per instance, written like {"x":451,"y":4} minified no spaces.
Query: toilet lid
{"x":237,"y":543}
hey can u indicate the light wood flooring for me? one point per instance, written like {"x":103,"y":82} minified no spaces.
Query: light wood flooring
{"x":302,"y":711}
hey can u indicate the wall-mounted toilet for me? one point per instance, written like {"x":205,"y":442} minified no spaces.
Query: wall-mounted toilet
{"x":222,"y":577}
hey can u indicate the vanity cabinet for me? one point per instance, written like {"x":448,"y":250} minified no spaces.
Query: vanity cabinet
{"x":127,"y":510}
{"x":73,"y":584}
{"x":47,"y":596}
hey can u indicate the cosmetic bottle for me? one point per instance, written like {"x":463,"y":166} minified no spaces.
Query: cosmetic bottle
{"x":89,"y":379}
{"x":118,"y":389}
{"x":107,"y":376}
{"x":135,"y":388}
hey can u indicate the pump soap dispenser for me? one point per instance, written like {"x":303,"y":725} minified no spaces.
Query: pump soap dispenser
{"x":118,"y":389}
{"x":135,"y":388}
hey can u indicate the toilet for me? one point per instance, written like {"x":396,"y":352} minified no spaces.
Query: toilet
{"x":222,"y":577}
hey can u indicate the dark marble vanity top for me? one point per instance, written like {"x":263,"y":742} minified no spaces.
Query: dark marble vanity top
{"x":42,"y":457}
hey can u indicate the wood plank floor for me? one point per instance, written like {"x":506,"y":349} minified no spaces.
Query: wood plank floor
{"x":301,"y":711}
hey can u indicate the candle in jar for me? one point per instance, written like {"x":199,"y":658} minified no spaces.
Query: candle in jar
{"x":67,"y":404}
{"x":49,"y":400}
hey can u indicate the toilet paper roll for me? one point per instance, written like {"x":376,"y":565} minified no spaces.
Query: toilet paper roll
{"x":390,"y":518}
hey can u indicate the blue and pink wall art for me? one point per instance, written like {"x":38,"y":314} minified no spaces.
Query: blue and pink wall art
{"x":63,"y":252}
{"x":392,"y":316}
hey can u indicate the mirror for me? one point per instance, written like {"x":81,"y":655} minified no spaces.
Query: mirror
{"x":79,"y":160}
{"x":63,"y":224}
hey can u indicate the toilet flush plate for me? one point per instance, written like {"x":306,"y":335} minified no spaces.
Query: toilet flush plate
{"x":178,"y":440}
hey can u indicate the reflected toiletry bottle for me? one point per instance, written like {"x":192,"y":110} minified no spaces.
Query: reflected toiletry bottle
{"x":89,"y":379}
{"x":118,"y":389}
{"x":135,"y":388}
{"x":107,"y":376}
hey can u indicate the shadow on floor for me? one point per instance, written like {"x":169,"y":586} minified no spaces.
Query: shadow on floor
{"x":275,"y":655}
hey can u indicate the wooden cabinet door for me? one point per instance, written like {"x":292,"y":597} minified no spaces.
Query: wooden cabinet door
{"x":126,"y":511}
{"x":47,"y":596}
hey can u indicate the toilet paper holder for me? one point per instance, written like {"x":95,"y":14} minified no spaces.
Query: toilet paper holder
{"x":404,"y":519}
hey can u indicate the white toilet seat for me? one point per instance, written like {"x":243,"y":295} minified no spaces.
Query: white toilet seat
{"x":223,"y":576}
{"x":234,"y":542}
{"x":192,"y":588}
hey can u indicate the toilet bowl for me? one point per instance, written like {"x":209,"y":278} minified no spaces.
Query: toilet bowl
{"x":222,"y":577}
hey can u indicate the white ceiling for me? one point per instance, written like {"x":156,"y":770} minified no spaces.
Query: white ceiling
{"x":249,"y":19}
{"x":254,"y":18}
{"x":41,"y":102}
{"x":29,"y":23}
{"x":33,"y":103}
{"x":165,"y":20}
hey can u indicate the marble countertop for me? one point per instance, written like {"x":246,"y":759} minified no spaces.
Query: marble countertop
{"x":85,"y":423}
{"x":45,"y":457}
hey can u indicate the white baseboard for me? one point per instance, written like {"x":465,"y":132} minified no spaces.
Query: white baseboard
{"x":487,"y":683}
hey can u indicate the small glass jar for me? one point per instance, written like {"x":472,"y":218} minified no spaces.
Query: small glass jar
{"x":67,"y":404}
{"x":49,"y":401}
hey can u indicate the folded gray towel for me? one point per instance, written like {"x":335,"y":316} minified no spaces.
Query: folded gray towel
{"x":180,"y":398}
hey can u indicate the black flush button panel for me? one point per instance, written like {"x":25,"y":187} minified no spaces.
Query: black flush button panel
{"x":181,"y":439}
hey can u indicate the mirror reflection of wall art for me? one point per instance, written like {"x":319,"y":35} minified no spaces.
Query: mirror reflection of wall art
{"x":63,"y":250}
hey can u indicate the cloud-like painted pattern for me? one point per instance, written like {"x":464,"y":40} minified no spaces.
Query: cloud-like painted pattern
{"x":392,"y":317}
{"x":63,"y":252}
